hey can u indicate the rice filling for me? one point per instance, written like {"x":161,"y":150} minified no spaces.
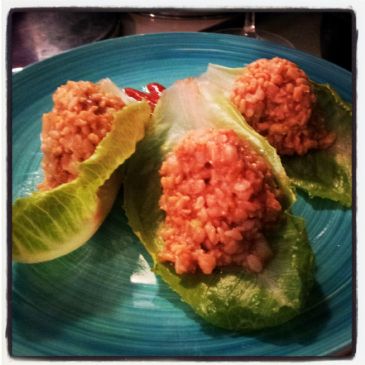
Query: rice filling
{"x":219,"y":196}
{"x":276,"y":98}
{"x":81,"y":117}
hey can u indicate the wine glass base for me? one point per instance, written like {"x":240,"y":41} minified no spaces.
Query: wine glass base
{"x":260,"y":35}
{"x":274,"y":38}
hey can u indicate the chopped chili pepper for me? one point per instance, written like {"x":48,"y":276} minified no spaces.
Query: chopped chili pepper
{"x":154,"y":90}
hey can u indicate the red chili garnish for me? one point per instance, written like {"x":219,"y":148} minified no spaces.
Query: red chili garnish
{"x":135,"y":94}
{"x":155,"y":88}
{"x":154,"y":91}
{"x":153,"y":98}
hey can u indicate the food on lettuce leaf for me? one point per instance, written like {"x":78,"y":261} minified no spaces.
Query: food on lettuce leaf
{"x":85,"y":139}
{"x":81,"y":117}
{"x":276,"y":99}
{"x":219,"y":196}
{"x":305,"y":121}
{"x":230,"y":296}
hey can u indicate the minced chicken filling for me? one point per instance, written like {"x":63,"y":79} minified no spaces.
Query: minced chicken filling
{"x":80,"y":119}
{"x":276,"y":99}
{"x":219,"y":196}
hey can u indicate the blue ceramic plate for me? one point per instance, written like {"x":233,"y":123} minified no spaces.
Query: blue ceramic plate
{"x":103,"y":300}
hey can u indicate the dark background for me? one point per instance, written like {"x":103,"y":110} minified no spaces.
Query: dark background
{"x":36,"y":34}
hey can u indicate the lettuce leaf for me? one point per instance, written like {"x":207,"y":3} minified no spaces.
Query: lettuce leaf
{"x":49,"y":224}
{"x":230,"y":298}
{"x":326,"y":173}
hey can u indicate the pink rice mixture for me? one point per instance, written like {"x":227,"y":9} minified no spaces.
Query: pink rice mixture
{"x":219,"y":196}
{"x":80,"y":119}
{"x":276,"y":99}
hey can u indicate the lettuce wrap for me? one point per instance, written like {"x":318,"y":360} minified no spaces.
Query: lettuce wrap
{"x":322,"y":173}
{"x":230,"y":297}
{"x":52,"y":223}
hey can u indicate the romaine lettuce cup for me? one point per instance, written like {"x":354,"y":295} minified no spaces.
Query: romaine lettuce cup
{"x":323,"y":173}
{"x":51,"y":223}
{"x":230,"y":297}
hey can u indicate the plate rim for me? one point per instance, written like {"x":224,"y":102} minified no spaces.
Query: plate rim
{"x":142,"y":36}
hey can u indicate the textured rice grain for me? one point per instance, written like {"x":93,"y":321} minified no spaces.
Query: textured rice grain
{"x":80,"y":119}
{"x":219,"y":196}
{"x":276,"y":99}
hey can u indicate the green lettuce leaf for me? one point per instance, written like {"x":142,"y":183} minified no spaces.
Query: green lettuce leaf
{"x":326,"y":173}
{"x":230,"y":298}
{"x":49,"y":224}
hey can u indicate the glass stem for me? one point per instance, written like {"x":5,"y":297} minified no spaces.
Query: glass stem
{"x":249,"y":28}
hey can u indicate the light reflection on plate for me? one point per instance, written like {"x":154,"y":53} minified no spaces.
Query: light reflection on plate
{"x":144,"y":275}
